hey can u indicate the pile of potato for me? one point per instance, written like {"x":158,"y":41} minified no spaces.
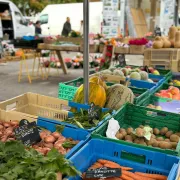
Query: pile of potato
{"x":162,"y":138}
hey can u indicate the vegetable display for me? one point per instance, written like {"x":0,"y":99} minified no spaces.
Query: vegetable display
{"x":127,"y":173}
{"x":81,"y":119}
{"x":145,"y":135}
{"x":18,"y":162}
{"x":48,"y":140}
{"x":132,"y":73}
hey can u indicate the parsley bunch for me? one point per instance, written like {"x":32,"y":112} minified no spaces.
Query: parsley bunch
{"x":20,"y":163}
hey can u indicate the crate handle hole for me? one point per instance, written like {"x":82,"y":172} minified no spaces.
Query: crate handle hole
{"x":11,"y":106}
{"x":133,"y":157}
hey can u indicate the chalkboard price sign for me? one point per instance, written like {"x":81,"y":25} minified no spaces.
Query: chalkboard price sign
{"x":94,"y":112}
{"x":103,"y":173}
{"x":27,"y":132}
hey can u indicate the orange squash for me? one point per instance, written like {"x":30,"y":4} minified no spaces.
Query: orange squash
{"x":97,"y":94}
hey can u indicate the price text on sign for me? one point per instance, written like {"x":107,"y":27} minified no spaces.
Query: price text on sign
{"x":27,"y":132}
{"x":103,"y":173}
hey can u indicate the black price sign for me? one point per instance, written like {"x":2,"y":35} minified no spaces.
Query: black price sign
{"x":27,"y":132}
{"x":94,"y":112}
{"x":103,"y":173}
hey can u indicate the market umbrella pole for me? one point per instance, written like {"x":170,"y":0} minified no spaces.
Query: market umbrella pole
{"x":86,"y":50}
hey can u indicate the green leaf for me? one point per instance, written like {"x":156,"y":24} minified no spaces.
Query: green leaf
{"x":60,"y":128}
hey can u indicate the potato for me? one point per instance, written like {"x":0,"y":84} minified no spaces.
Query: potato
{"x":140,"y":132}
{"x":136,"y":141}
{"x":165,"y":145}
{"x":133,"y":136}
{"x":150,"y":142}
{"x":156,"y":131}
{"x":122,"y":130}
{"x":155,"y":143}
{"x":174,"y":144}
{"x":143,"y":143}
{"x":168,"y":134}
{"x":129,"y":130}
{"x":119,"y":135}
{"x":124,"y":133}
{"x":164,"y":130}
{"x":178,"y":134}
{"x":174,"y":138}
{"x":141,"y":126}
{"x":167,"y":140}
{"x":128,"y":137}
{"x":153,"y":136}
{"x":160,"y":139}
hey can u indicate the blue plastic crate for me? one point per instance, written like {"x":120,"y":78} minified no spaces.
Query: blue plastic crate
{"x":70,"y":114}
{"x":139,"y":159}
{"x":68,"y":132}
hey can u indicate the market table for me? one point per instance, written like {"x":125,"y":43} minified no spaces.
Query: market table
{"x":58,"y":49}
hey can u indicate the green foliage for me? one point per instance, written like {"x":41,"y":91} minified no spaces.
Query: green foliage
{"x":18,"y":163}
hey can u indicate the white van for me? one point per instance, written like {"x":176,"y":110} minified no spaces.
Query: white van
{"x":14,"y":26}
{"x":54,"y":16}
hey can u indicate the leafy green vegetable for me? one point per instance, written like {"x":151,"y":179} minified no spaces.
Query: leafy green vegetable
{"x":60,"y":128}
{"x":16,"y":162}
{"x":81,"y":119}
{"x":68,"y":144}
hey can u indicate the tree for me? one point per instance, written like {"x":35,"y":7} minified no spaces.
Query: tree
{"x":31,"y":7}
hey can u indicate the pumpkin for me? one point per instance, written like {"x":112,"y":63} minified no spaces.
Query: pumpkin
{"x":117,"y":95}
{"x":98,"y":80}
{"x":97,"y":94}
{"x":19,"y":53}
{"x":171,"y":34}
{"x":177,"y":40}
{"x":158,"y":43}
{"x":166,"y":42}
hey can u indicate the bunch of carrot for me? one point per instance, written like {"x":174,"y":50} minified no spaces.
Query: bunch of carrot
{"x":126,"y":172}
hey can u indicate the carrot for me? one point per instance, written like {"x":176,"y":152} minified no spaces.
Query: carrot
{"x":124,"y":177}
{"x":96,"y":165}
{"x":103,"y":161}
{"x":117,"y":166}
{"x":135,"y":176}
{"x":155,"y":176}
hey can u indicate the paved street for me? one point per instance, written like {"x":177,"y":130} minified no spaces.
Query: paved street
{"x":11,"y":88}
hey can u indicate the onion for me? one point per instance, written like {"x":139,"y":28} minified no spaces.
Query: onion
{"x":49,"y":139}
{"x":6,"y":124}
{"x":14,"y":123}
{"x":56,"y":135}
{"x":57,"y":144}
{"x":11,"y":139}
{"x":59,"y":176}
{"x":4,"y":138}
{"x":61,"y":139}
{"x":1,"y":127}
{"x":1,"y":133}
{"x":46,"y":149}
{"x":42,"y":135}
{"x":48,"y":145}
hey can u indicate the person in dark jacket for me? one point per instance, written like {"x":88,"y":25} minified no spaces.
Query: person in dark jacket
{"x":38,"y":28}
{"x":66,"y":28}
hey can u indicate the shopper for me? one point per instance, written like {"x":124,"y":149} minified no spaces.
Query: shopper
{"x":81,"y":28}
{"x":38,"y":28}
{"x":66,"y":28}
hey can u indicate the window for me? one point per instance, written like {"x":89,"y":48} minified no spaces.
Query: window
{"x":44,"y":19}
{"x":19,"y":18}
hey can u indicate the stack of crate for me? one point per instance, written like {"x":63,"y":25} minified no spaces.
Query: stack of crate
{"x":167,"y":58}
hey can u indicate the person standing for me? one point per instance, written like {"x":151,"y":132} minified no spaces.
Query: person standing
{"x":66,"y":28}
{"x":81,"y":28}
{"x":38,"y":28}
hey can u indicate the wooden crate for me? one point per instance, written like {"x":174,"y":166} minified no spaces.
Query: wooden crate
{"x":101,"y":48}
{"x":93,"y":48}
{"x":137,"y":49}
{"x":167,"y":57}
{"x":33,"y":105}
{"x":121,"y":50}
